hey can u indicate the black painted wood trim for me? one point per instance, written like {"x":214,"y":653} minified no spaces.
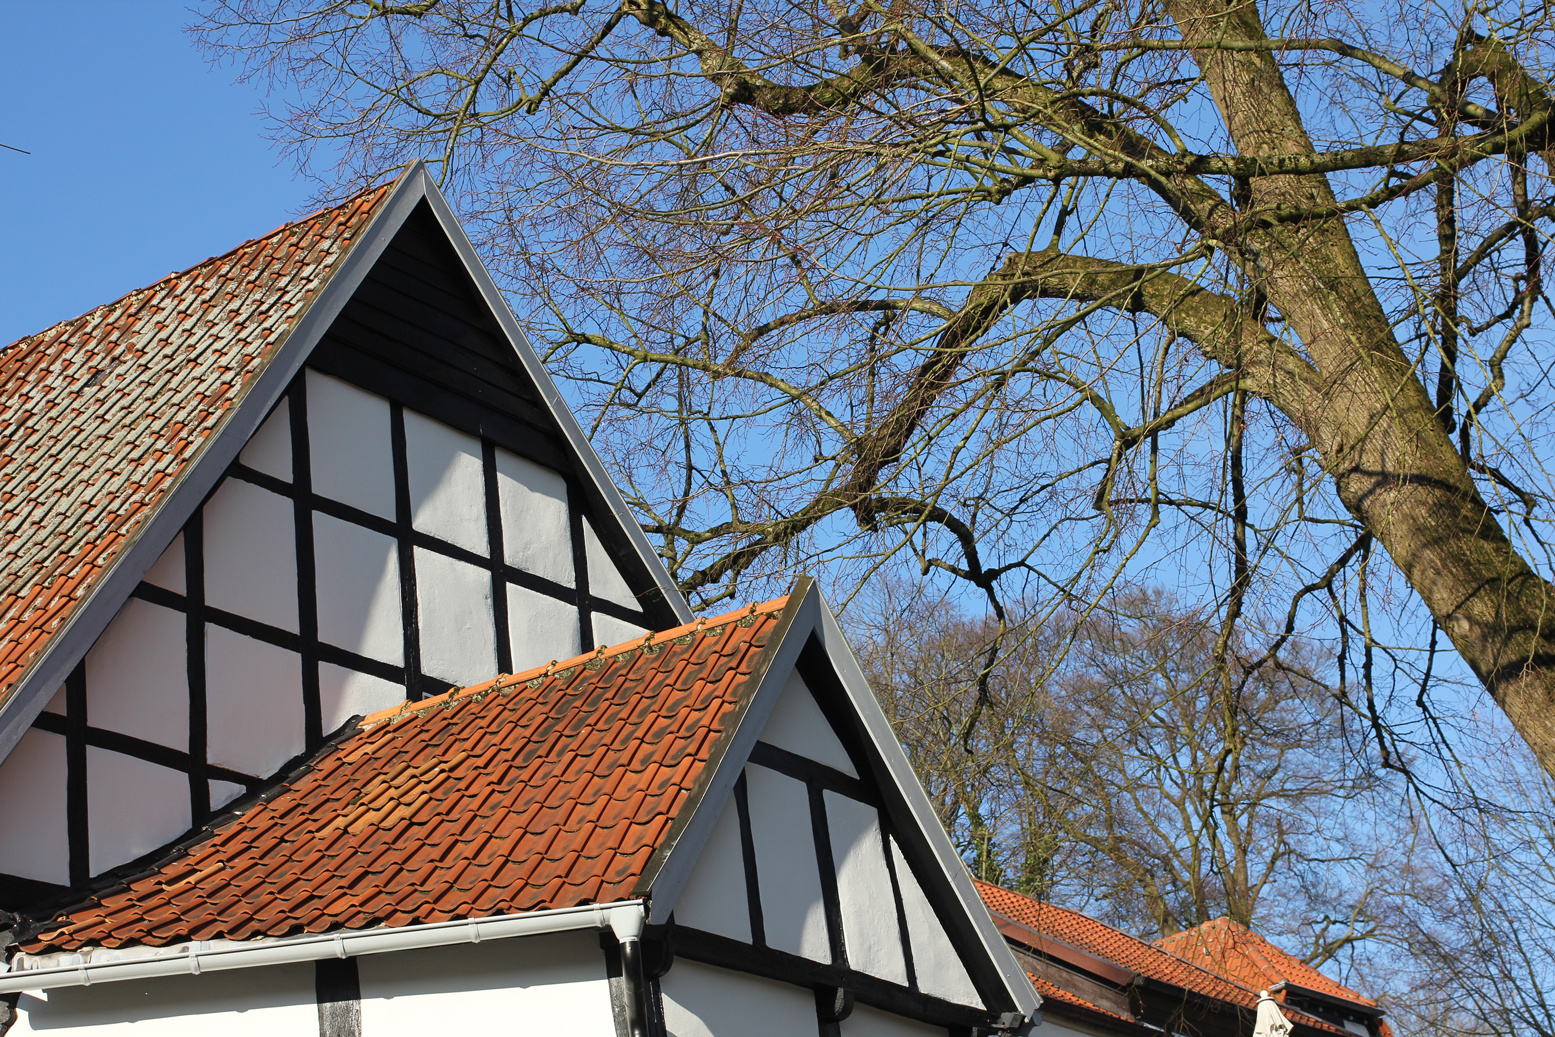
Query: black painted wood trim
{"x":813,"y":773}
{"x":139,"y":748}
{"x":194,"y":657}
{"x":742,"y":807}
{"x":720,"y":951}
{"x":307,"y":569}
{"x":497,"y":562}
{"x":826,"y":865}
{"x":901,"y":907}
{"x":338,"y":989}
{"x":409,"y":605}
{"x":74,"y":728}
{"x":580,"y":567}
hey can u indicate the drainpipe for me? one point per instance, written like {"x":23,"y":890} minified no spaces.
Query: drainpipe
{"x":628,"y":929}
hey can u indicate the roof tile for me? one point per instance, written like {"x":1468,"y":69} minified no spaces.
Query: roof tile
{"x":500,"y":797}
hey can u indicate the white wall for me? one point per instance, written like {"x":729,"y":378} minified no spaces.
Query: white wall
{"x":786,"y":869}
{"x":798,"y":725}
{"x":137,"y":676}
{"x":33,"y":839}
{"x":703,"y":1001}
{"x":272,"y":1002}
{"x":865,"y":1021}
{"x":714,"y":899}
{"x":935,"y":961}
{"x":350,"y":449}
{"x":871,"y":930}
{"x":251,"y":554}
{"x":554,"y":984}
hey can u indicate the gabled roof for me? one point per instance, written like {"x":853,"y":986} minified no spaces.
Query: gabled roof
{"x":549,"y":789}
{"x":1235,"y":951}
{"x":1145,"y":959}
{"x":114,"y":426}
{"x":101,"y":415}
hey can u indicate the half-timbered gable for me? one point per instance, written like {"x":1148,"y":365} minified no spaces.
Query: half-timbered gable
{"x":297,"y":483}
{"x":720,"y":806}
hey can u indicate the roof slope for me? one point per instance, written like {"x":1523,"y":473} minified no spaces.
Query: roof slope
{"x":101,"y":414}
{"x":1234,"y":950}
{"x":548,"y":789}
{"x":1134,"y":954}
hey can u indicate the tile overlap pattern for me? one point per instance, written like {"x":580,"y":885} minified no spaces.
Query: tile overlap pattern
{"x":548,"y":789}
{"x":1132,"y":953}
{"x":1234,"y":950}
{"x":100,"y":414}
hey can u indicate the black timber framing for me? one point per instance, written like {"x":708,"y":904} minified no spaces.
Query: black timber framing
{"x":816,"y":669}
{"x":720,"y":951}
{"x":417,"y":333}
{"x":338,"y":990}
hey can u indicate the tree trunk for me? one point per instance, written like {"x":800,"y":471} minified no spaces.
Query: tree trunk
{"x":1372,"y":421}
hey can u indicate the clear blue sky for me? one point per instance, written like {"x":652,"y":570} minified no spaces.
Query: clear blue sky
{"x":144,"y":159}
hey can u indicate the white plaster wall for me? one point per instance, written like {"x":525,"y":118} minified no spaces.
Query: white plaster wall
{"x":703,"y":1001}
{"x":32,"y":809}
{"x":269,"y":450}
{"x":798,"y":725}
{"x":358,"y":578}
{"x":224,"y":792}
{"x":540,"y":629}
{"x":714,"y":898}
{"x":458,"y":632}
{"x":605,"y":579}
{"x":271,"y":1002}
{"x":132,"y":807}
{"x":935,"y":961}
{"x":168,"y":572}
{"x":253,"y":702}
{"x":345,"y":693}
{"x":552,"y":984}
{"x":536,"y":534}
{"x":350,"y":449}
{"x":870,"y":929}
{"x":786,"y":871}
{"x":865,"y":1021}
{"x":251,"y":554}
{"x":609,"y":630}
{"x":447,"y":483}
{"x":137,"y":675}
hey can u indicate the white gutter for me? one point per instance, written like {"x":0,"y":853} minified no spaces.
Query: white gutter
{"x":191,"y":959}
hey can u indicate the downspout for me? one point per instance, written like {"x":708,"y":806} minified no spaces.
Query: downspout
{"x":628,"y":928}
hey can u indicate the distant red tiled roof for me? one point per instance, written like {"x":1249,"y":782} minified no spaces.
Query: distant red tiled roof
{"x":549,"y":789}
{"x":100,"y":414}
{"x":1132,"y":953}
{"x":1235,"y":951}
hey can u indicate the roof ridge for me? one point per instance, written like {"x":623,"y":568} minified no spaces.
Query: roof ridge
{"x":131,"y":295}
{"x":506,"y":680}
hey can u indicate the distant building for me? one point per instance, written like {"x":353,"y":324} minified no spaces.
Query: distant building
{"x":340,"y":694}
{"x":1205,"y":982}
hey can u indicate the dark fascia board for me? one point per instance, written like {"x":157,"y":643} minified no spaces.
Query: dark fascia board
{"x":554,"y":402}
{"x":1048,"y":947}
{"x":1097,"y":1020}
{"x":888,"y":751}
{"x":88,"y":620}
{"x":808,"y":616}
{"x":1332,"y":1000}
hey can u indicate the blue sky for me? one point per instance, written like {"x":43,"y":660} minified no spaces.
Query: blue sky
{"x":144,"y":159}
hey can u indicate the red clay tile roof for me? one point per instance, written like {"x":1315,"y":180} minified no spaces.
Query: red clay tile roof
{"x":100,"y":414}
{"x":1235,"y":951}
{"x":549,"y":789}
{"x":1146,"y":959}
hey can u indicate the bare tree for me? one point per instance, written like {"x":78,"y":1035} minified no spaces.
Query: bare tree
{"x":1030,"y":294}
{"x":1122,"y":781}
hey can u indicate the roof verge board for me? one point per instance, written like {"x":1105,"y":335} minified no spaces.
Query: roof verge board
{"x":119,"y":423}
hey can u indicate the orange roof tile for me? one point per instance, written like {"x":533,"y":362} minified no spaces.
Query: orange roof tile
{"x":1235,"y":951}
{"x":1146,"y":959}
{"x":100,"y":415}
{"x":548,"y":789}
